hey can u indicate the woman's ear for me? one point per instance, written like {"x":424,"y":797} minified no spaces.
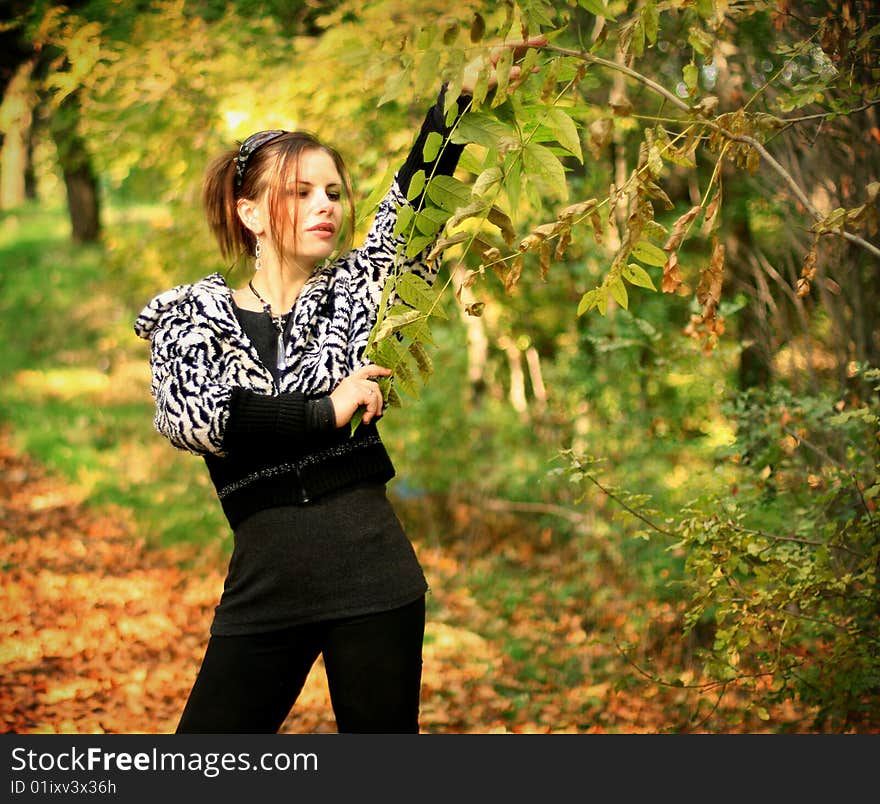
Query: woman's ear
{"x":249,"y":215}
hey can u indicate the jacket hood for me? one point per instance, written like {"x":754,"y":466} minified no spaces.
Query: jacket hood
{"x":212,"y":288}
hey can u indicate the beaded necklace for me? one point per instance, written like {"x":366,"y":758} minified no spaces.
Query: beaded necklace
{"x":278,"y":321}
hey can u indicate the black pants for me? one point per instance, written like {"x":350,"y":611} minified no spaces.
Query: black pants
{"x":248,"y":684}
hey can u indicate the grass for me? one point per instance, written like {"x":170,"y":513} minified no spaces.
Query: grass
{"x":75,"y":383}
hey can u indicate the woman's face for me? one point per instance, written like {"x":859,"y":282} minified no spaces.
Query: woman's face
{"x":314,"y":203}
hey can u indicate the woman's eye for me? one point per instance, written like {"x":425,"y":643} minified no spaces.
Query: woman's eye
{"x":334,"y":195}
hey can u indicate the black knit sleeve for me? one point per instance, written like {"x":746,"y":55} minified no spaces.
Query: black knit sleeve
{"x":447,"y":159}
{"x":254,"y":417}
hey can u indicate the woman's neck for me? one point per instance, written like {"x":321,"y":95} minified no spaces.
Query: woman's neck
{"x":280,"y":286}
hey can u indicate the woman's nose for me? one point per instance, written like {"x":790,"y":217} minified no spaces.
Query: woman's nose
{"x":323,"y":201}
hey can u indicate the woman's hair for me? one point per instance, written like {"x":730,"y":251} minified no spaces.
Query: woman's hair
{"x":267,"y":167}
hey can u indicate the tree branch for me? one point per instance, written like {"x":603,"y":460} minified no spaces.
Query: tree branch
{"x":751,"y":141}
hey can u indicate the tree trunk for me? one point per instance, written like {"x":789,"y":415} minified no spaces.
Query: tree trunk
{"x":533,"y":361}
{"x":477,"y":342}
{"x":16,"y":115}
{"x":517,"y":392}
{"x":755,"y":367}
{"x":76,"y":167}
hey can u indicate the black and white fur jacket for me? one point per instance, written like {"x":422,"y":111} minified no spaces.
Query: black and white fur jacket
{"x":199,"y":352}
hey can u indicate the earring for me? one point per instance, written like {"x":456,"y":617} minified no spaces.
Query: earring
{"x":258,"y":254}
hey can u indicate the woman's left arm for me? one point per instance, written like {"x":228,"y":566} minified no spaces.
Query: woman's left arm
{"x":382,"y":252}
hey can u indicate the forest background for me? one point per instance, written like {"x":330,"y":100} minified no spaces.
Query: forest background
{"x":636,"y":423}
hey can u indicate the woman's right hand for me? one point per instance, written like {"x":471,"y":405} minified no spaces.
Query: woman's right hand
{"x":357,"y":389}
{"x":472,"y":70}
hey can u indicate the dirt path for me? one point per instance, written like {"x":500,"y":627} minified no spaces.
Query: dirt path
{"x":99,"y":633}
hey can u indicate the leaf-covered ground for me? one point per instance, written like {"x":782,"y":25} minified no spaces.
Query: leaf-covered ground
{"x":103,"y":634}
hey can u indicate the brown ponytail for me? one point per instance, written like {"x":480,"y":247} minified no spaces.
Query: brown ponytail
{"x":218,"y":199}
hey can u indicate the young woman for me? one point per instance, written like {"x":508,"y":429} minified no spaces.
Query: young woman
{"x":263,"y":381}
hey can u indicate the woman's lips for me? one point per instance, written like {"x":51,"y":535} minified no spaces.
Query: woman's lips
{"x":322,"y":230}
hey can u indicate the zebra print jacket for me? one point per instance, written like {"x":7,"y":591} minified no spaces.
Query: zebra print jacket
{"x":199,"y":352}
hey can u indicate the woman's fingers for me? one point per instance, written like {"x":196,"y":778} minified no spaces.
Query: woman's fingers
{"x":519,"y":48}
{"x":359,"y":390}
{"x":372,"y":401}
{"x":371,"y":370}
{"x":372,"y":394}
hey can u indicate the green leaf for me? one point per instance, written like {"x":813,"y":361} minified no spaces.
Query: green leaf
{"x":397,"y":321}
{"x":565,"y":131}
{"x":636,"y":275}
{"x":649,"y":253}
{"x":416,"y":292}
{"x":431,"y":220}
{"x":383,"y":306}
{"x":588,"y":301}
{"x":431,"y":148}
{"x":389,"y":353}
{"x":405,"y":215}
{"x":513,"y":182}
{"x":484,"y":129}
{"x":419,"y":331}
{"x":481,"y":87}
{"x":540,"y":162}
{"x":417,"y":244}
{"x":426,"y":75}
{"x":394,"y":86}
{"x":392,"y":398}
{"x":366,"y":207}
{"x":596,"y":7}
{"x":405,"y":379}
{"x":618,"y":291}
{"x":701,"y":41}
{"x":651,"y":19}
{"x":488,"y":179}
{"x":690,"y":73}
{"x":416,"y":185}
{"x":502,"y":74}
{"x":412,"y":324}
{"x":448,"y":192}
{"x":422,"y":359}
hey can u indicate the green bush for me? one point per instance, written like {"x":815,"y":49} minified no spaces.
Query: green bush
{"x":786,"y":568}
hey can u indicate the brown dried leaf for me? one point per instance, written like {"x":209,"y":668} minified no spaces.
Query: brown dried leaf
{"x":671,"y":276}
{"x":680,"y":227}
{"x":545,"y":260}
{"x":600,"y":132}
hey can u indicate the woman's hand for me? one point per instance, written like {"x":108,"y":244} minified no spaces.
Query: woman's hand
{"x":471,"y":73}
{"x":359,"y":388}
